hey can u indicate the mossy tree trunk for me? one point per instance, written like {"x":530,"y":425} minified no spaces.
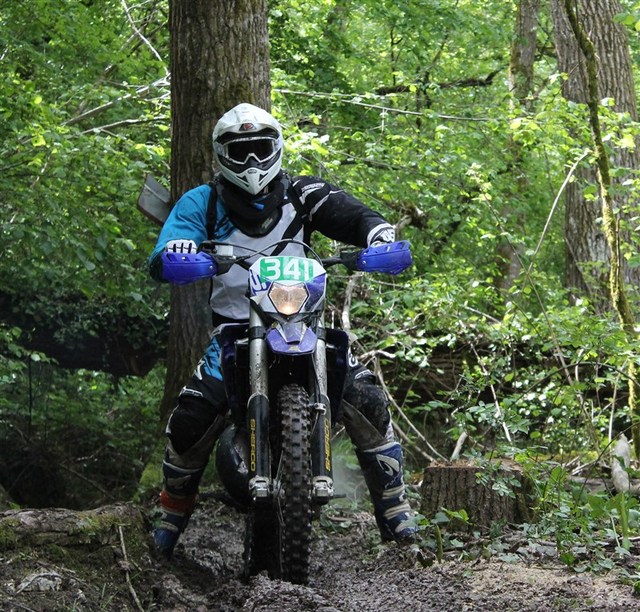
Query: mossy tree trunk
{"x":588,"y":249}
{"x":611,"y":222}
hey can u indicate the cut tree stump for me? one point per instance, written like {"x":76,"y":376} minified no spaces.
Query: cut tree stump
{"x":500,"y":493}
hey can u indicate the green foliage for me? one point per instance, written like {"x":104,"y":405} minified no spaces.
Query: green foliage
{"x":591,"y":530}
{"x":542,"y":376}
{"x":408,"y":107}
{"x":79,"y":131}
{"x":84,"y":118}
{"x":92,"y":434}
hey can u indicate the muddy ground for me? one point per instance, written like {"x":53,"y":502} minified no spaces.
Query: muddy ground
{"x":351,"y":571}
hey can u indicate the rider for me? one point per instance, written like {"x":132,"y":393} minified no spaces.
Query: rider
{"x":256,"y":204}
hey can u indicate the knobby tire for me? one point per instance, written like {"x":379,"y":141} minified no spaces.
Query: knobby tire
{"x":294,"y":480}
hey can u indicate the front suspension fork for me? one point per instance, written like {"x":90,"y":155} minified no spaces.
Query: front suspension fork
{"x":321,"y":460}
{"x":258,"y":419}
{"x":258,"y":413}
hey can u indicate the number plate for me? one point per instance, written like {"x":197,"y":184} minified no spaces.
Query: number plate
{"x":284,"y":268}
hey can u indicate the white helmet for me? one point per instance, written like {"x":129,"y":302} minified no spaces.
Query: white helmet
{"x":247,"y":143}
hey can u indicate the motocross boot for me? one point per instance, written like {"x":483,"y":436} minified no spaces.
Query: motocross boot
{"x":175,"y":513}
{"x":382,"y":469}
{"x":182,"y":473}
{"x":177,"y":502}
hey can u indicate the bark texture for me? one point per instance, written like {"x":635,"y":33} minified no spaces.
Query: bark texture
{"x":219,"y":58}
{"x":456,"y":486}
{"x":523,"y":49}
{"x":586,"y":245}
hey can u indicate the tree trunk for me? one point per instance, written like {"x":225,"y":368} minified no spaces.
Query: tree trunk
{"x":586,"y":246}
{"x":611,"y":210}
{"x":219,"y":58}
{"x":523,"y":50}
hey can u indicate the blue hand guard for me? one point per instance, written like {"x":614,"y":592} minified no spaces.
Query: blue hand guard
{"x":184,"y":268}
{"x":390,"y":258}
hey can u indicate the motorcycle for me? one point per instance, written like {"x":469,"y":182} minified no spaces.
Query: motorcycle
{"x":284,"y":373}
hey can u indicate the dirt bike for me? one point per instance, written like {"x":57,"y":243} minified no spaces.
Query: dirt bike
{"x":283,"y":372}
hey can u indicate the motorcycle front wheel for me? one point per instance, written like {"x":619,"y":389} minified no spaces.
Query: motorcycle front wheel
{"x":293,"y":484}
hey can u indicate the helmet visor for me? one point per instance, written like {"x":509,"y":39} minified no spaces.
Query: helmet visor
{"x":241,"y":150}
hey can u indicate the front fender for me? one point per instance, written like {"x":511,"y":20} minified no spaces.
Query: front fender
{"x":291,"y":339}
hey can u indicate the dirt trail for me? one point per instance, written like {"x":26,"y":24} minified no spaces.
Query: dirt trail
{"x":111,"y":569}
{"x":352,"y":572}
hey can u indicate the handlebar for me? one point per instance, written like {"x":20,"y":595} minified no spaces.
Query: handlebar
{"x":215,"y":258}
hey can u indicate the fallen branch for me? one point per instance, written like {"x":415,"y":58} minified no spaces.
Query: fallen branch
{"x":125,"y":566}
{"x":413,"y":428}
{"x":455,"y":455}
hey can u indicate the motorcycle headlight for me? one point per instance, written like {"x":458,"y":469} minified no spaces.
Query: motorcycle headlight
{"x":288,"y":299}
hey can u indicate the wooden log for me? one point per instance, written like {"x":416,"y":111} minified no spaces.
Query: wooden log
{"x":63,"y":527}
{"x":499,"y":493}
{"x":61,"y":559}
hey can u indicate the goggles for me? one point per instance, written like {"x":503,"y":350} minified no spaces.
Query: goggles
{"x":241,"y":150}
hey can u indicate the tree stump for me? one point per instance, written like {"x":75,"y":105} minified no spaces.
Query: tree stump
{"x":497,"y":493}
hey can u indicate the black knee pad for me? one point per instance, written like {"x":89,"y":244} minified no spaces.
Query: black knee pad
{"x":371,"y":401}
{"x":189,"y":421}
{"x":199,"y":403}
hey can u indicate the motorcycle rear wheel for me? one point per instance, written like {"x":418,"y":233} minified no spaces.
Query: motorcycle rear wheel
{"x":293,"y":484}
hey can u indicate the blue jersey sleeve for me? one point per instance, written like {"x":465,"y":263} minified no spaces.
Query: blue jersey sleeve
{"x":186,"y":221}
